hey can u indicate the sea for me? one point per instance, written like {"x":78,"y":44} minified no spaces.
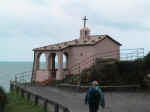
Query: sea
{"x":9,"y":69}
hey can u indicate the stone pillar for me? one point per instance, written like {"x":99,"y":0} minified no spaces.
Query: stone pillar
{"x":47,"y":61}
{"x":35,"y":65}
{"x":50,"y":61}
{"x":59,"y":75}
{"x":53,"y":61}
{"x":67,"y":58}
{"x":37,"y":60}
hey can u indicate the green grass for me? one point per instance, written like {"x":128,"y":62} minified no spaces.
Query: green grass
{"x":19,"y":104}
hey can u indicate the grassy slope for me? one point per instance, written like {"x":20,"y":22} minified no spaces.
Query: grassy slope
{"x":19,"y":104}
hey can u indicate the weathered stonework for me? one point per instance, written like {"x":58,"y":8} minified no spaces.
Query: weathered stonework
{"x":80,"y":54}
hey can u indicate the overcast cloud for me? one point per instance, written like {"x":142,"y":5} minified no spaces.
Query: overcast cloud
{"x":26,"y":24}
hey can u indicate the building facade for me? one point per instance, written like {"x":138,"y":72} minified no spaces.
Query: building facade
{"x":79,"y":54}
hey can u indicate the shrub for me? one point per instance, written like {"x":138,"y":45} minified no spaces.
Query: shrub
{"x":111,"y":70}
{"x":131,"y":71}
{"x":147,"y":63}
{"x":114,"y":71}
{"x":99,"y":69}
{"x":3,"y":99}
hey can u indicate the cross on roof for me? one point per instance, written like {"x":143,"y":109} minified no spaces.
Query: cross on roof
{"x":84,"y":19}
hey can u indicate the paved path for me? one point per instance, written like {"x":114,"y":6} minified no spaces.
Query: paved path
{"x":115,"y":101}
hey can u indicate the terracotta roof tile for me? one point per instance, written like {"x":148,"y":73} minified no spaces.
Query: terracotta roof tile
{"x":93,"y":39}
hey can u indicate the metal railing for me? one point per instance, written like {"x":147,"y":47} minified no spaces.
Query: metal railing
{"x":19,"y":86}
{"x":56,"y":107}
{"x":125,"y":54}
{"x":23,"y":77}
{"x":131,"y":54}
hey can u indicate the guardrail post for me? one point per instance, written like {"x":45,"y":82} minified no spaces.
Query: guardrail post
{"x":56,"y":108}
{"x":17,"y":90}
{"x":28,"y":96}
{"x":15,"y":78}
{"x":45,"y":105}
{"x":36,"y":100}
{"x":65,"y":110}
{"x":11,"y":86}
{"x":22,"y":93}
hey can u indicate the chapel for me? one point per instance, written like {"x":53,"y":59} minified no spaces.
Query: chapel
{"x":79,"y":54}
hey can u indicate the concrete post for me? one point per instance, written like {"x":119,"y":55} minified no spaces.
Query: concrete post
{"x":59,"y":75}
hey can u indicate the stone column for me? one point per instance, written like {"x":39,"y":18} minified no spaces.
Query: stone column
{"x":35,"y":65}
{"x":50,"y":61}
{"x":48,"y":64}
{"x":53,"y":61}
{"x":67,"y":61}
{"x":37,"y":60}
{"x":59,"y":75}
{"x":47,"y":61}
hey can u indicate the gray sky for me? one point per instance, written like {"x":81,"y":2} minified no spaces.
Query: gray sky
{"x":27,"y":24}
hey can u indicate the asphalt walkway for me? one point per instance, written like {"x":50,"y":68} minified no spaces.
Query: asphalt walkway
{"x":115,"y":101}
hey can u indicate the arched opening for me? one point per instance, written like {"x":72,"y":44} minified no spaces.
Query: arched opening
{"x":56,"y":62}
{"x":53,"y":61}
{"x":65,"y":61}
{"x":42,"y":61}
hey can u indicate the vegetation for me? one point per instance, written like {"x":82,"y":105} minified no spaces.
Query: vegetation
{"x":19,"y":104}
{"x":147,"y":64}
{"x":3,"y":99}
{"x":111,"y":71}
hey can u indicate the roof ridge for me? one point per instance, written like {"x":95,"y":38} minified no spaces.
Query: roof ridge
{"x":76,"y":42}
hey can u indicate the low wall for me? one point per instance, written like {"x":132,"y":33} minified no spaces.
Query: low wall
{"x":78,"y":88}
{"x":42,"y":75}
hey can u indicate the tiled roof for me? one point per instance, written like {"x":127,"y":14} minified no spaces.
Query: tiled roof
{"x":91,"y":40}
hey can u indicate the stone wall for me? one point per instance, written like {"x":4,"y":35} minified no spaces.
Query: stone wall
{"x":82,"y":57}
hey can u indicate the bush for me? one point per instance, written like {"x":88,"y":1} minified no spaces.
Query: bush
{"x":3,"y":99}
{"x":147,"y":63}
{"x":104,"y":69}
{"x":131,"y":71}
{"x":99,"y":70}
{"x":114,"y":71}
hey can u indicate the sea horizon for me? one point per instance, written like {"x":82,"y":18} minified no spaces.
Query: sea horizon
{"x":8,"y":69}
